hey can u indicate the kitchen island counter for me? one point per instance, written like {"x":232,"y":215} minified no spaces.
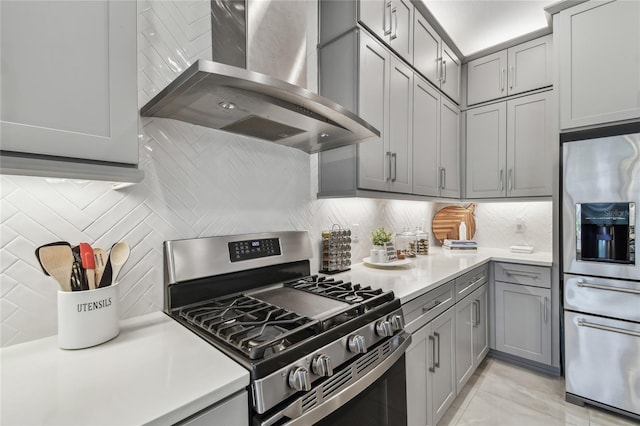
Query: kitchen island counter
{"x":154,"y":372}
{"x":425,"y":273}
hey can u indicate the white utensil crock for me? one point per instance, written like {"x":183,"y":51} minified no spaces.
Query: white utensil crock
{"x":87,"y":318}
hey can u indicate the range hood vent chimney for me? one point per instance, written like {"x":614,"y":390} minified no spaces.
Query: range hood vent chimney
{"x":253,"y":85}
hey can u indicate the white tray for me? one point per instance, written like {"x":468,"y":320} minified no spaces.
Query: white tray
{"x":395,"y":263}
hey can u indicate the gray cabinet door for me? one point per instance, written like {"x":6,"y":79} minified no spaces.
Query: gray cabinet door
{"x":486,"y":78}
{"x":599,"y":69}
{"x":418,"y":380}
{"x":443,"y":385}
{"x":530,"y":65}
{"x":450,"y":74}
{"x":401,"y":36}
{"x":426,"y":49}
{"x":481,"y":326}
{"x":486,"y":131}
{"x":426,"y":139}
{"x":375,"y":15}
{"x":523,"y":321}
{"x":449,"y":149}
{"x":529,"y":146}
{"x":373,"y":100}
{"x":400,"y":124}
{"x":68,"y":77}
{"x":465,"y":321}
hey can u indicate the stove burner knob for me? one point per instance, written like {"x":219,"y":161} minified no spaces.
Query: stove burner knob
{"x":321,"y":366}
{"x":384,"y":328}
{"x":357,"y":344}
{"x":299,"y":379}
{"x":396,"y":322}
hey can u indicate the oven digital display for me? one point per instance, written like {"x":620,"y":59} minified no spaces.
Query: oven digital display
{"x":254,"y":249}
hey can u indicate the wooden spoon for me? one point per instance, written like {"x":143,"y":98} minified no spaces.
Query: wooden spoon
{"x":118,"y":256}
{"x":57,"y":261}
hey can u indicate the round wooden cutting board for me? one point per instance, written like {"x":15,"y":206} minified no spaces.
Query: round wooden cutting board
{"x":447,"y":220}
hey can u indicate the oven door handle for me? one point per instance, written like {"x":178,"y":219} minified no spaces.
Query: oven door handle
{"x":342,"y":397}
{"x":581,"y":283}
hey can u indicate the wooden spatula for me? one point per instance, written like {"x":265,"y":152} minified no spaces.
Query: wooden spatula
{"x":57,"y":261}
{"x":101,"y":258}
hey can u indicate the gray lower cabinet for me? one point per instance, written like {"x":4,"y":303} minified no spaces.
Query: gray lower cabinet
{"x":598,"y":69}
{"x":472,"y":333}
{"x":523,"y":311}
{"x":232,"y":411}
{"x":509,"y":148}
{"x":431,"y":384}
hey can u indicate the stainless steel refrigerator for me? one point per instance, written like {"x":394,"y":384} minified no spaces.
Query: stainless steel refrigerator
{"x":601,"y":272}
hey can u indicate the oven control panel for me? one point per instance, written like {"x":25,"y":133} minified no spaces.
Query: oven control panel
{"x":254,"y":249}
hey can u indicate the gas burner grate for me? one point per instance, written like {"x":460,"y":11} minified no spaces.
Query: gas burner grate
{"x":256,"y":328}
{"x":339,"y":290}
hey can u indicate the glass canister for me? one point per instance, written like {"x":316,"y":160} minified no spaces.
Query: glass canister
{"x":404,"y":242}
{"x":421,"y":242}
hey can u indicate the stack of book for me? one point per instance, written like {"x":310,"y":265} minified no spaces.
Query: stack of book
{"x":460,"y":245}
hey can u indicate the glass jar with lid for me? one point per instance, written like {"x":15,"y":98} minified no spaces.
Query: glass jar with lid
{"x":404,"y":241}
{"x":421,"y":242}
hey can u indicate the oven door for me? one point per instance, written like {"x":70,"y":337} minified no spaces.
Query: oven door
{"x":371,"y":390}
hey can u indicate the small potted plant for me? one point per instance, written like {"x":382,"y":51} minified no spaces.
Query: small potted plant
{"x":380,"y":237}
{"x":383,"y":250}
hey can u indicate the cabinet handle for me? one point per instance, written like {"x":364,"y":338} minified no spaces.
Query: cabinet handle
{"x":394,"y":156}
{"x":443,"y":178}
{"x":533,"y":275}
{"x":585,"y":323}
{"x":437,"y":364}
{"x":510,"y":179}
{"x":502,"y":72}
{"x":440,"y":69}
{"x":384,"y":20}
{"x":474,"y":312}
{"x":433,"y":354}
{"x":435,"y":305}
{"x":546,"y":311}
{"x":476,"y":303}
{"x":444,"y":72}
{"x":581,"y":283}
{"x":394,"y":12}
{"x":501,"y":180}
{"x":512,"y":77}
{"x":389,"y":164}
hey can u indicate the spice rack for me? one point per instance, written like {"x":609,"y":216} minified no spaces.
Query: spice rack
{"x":336,"y":250}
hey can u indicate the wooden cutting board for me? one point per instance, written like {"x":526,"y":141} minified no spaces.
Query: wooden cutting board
{"x":446,"y":222}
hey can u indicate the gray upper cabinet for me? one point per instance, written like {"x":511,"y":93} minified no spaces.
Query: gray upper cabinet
{"x":378,"y":87}
{"x":508,"y":148}
{"x":519,"y":69}
{"x":68,"y":79}
{"x":434,"y":59}
{"x":599,"y":69}
{"x":436,"y":142}
{"x":391,"y":21}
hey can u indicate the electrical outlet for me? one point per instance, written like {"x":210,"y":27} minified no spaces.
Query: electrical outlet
{"x":355,"y":232}
{"x":519,"y":226}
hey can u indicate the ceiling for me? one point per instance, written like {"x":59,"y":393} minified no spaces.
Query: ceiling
{"x":475,"y":25}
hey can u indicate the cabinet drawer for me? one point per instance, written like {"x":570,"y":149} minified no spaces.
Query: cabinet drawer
{"x":537,"y":276}
{"x":470,"y":281}
{"x":423,"y":309}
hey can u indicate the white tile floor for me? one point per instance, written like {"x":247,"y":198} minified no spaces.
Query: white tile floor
{"x":503,"y":394}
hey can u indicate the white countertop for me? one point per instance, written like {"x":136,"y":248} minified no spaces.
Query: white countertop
{"x":425,"y":273}
{"x":155,"y":371}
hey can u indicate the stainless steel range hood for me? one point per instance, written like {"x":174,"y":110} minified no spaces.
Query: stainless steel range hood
{"x":266,"y":36}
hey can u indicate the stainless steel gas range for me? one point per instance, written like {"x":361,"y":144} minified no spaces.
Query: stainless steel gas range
{"x":319,"y":350}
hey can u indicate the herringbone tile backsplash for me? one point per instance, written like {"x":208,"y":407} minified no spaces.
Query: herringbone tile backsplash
{"x":198,"y":182}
